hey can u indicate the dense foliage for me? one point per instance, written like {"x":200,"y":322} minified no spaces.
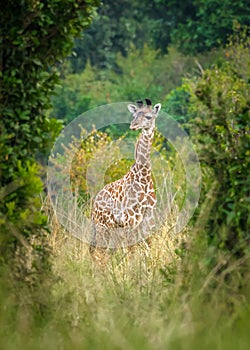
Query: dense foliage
{"x":34,"y":36}
{"x":220,"y":110}
{"x":142,"y":73}
{"x":194,"y":26}
{"x":210,"y":24}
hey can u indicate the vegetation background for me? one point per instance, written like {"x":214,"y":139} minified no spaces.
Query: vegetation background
{"x":60,"y":58}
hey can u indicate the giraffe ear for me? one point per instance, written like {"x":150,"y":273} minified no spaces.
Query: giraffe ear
{"x":132,"y":108}
{"x":157,"y":108}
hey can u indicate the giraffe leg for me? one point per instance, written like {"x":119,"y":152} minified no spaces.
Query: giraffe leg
{"x":98,"y":248}
{"x":148,"y":225}
{"x":100,"y":256}
{"x":93,"y":240}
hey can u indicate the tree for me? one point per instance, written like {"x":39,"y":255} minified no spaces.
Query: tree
{"x":219,"y":106}
{"x":210,"y":24}
{"x":192,"y":25}
{"x":35,"y":35}
{"x":117,"y":26}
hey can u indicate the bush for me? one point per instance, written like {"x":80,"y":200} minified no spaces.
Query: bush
{"x":35,"y":35}
{"x":219,"y":103}
{"x":177,"y":103}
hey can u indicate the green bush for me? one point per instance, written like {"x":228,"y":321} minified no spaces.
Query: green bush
{"x":34,"y":37}
{"x":177,"y":103}
{"x":219,"y":104}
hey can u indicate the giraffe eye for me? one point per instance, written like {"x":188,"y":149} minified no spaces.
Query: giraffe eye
{"x":148,"y":117}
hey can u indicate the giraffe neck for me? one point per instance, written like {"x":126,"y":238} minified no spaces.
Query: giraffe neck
{"x":143,"y":148}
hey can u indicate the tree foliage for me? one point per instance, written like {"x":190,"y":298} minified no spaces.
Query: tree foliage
{"x":210,"y":24}
{"x":35,"y":35}
{"x":116,"y":27}
{"x":193,"y":25}
{"x":140,"y":74}
{"x":219,"y":108}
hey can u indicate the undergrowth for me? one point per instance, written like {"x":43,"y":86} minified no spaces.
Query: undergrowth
{"x":174,"y":293}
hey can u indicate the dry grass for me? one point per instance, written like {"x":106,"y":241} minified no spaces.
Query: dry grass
{"x":163,"y":295}
{"x":150,"y":296}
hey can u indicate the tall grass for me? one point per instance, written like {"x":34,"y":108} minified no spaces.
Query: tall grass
{"x":176,"y":293}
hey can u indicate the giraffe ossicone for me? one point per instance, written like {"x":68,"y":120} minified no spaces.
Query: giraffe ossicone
{"x":123,"y":211}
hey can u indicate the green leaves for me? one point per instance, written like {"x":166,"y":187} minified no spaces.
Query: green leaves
{"x":210,"y":25}
{"x":34,"y":36}
{"x":219,"y":104}
{"x":192,"y":25}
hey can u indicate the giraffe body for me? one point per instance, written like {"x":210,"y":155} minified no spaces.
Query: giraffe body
{"x":123,"y":211}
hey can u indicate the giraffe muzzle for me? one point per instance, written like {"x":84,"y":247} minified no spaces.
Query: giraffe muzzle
{"x":134,"y":127}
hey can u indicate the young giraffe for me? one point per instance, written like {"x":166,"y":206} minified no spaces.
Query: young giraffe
{"x":127,"y":205}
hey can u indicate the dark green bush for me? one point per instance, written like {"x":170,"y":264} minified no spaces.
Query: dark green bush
{"x":219,"y":104}
{"x":176,"y":104}
{"x":34,"y":36}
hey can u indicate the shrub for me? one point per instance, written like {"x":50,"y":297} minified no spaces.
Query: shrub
{"x":219,"y":103}
{"x":35,"y":35}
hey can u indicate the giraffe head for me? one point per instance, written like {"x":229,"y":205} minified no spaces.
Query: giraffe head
{"x":143,"y":116}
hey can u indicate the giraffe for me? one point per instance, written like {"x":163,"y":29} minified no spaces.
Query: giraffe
{"x":127,"y":205}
